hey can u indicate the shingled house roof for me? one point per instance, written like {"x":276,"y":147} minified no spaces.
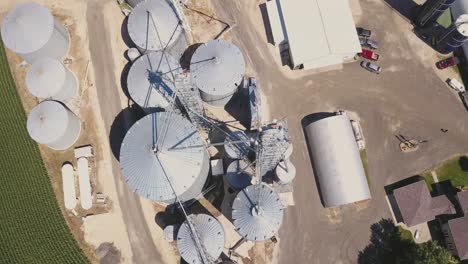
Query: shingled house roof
{"x":463,"y":200}
{"x":458,"y":227}
{"x":417,"y":206}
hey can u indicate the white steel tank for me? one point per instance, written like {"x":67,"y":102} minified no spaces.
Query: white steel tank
{"x":164,"y":149}
{"x":153,"y":25}
{"x":54,"y":125}
{"x":239,"y":174}
{"x":50,"y":79}
{"x":210,"y":234}
{"x":150,"y":81}
{"x":237,"y":150}
{"x":217,"y":68}
{"x":30,"y":30}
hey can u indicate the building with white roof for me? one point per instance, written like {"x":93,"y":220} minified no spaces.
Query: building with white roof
{"x":319,"y":33}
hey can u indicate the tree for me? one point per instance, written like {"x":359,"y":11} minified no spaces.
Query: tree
{"x":432,"y":253}
{"x":387,"y":246}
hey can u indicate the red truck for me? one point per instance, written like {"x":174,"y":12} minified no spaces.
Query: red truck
{"x":369,"y":54}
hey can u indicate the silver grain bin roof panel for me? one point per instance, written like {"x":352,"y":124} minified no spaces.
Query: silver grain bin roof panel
{"x":257,"y":212}
{"x":146,"y":171}
{"x":27,"y":27}
{"x":336,"y":161}
{"x":239,"y":174}
{"x":47,"y":122}
{"x":46,"y":77}
{"x":153,"y":24}
{"x":237,"y":150}
{"x":150,"y":78}
{"x":217,"y":67}
{"x":211,"y":236}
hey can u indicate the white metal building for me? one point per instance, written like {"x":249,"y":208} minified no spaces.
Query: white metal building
{"x":30,"y":30}
{"x":336,"y":161}
{"x":319,"y":33}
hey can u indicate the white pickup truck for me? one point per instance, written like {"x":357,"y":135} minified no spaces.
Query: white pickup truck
{"x":456,"y":85}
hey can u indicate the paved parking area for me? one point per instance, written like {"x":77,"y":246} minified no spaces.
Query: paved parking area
{"x":407,"y":98}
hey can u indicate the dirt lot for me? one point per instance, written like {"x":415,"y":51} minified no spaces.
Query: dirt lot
{"x":407,"y":98}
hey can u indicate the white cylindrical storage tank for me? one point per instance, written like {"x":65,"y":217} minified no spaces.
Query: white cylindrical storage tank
{"x":30,"y":30}
{"x":257,"y":212}
{"x":239,"y":174}
{"x":153,"y":25}
{"x":217,"y":68}
{"x":210,"y":234}
{"x":54,"y":125}
{"x":285,"y":172}
{"x":237,"y":150}
{"x":150,"y":80}
{"x":151,"y":157}
{"x":50,"y":79}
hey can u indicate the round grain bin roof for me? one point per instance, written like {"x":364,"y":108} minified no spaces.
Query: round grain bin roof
{"x":47,"y":122}
{"x":257,"y":212}
{"x":46,"y":77}
{"x":27,"y":27}
{"x":237,"y":150}
{"x":150,"y":80}
{"x":239,"y":174}
{"x":181,"y":158}
{"x":211,"y":236}
{"x":217,"y":67}
{"x":153,"y":24}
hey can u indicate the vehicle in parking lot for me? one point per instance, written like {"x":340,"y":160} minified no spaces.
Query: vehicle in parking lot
{"x":371,"y":67}
{"x":369,"y":54}
{"x":445,"y":63}
{"x":463,"y":97}
{"x":362,"y":32}
{"x":368,"y":43}
{"x":456,"y":85}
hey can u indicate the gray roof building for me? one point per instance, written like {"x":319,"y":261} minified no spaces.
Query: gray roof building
{"x":458,"y":230}
{"x":463,"y":201}
{"x":417,"y":206}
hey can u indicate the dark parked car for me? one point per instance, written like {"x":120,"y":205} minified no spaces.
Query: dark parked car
{"x":371,"y":67}
{"x":445,"y":63}
{"x":362,"y":32}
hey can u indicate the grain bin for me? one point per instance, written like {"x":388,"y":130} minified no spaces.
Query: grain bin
{"x":163,"y":147}
{"x":217,"y":69}
{"x":239,"y":174}
{"x":54,"y":125}
{"x":210,"y":234}
{"x":257,"y":212}
{"x":30,"y":30}
{"x":150,"y":81}
{"x":50,"y":79}
{"x":234,"y":148}
{"x":153,"y":25}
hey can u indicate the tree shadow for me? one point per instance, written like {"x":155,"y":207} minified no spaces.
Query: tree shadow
{"x":386,"y":245}
{"x":122,"y":123}
{"x":463,"y":162}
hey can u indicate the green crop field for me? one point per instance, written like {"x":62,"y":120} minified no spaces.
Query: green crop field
{"x":32,"y":228}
